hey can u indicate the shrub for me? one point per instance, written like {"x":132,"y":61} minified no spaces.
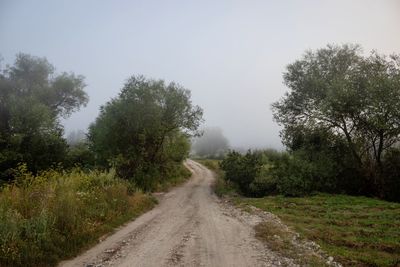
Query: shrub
{"x":294,"y":176}
{"x":79,"y":155}
{"x":52,"y":215}
{"x":242,"y":170}
{"x":265,"y":182}
{"x":252,"y":173}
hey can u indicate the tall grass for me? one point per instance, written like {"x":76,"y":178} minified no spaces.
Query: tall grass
{"x":55,"y":214}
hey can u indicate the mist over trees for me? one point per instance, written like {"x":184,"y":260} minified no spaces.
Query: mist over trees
{"x":32,"y":100}
{"x":76,"y":137}
{"x":211,"y":144}
{"x":341,"y":125}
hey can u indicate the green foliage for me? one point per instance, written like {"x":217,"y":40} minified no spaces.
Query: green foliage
{"x":144,"y":129}
{"x":260,"y":173}
{"x":353,"y":102}
{"x":79,"y":155}
{"x":53,"y":215}
{"x":294,"y":176}
{"x":32,"y":99}
{"x":250,"y":172}
{"x":174,"y":174}
{"x":356,"y":231}
{"x":239,"y":171}
{"x":212,"y":164}
{"x":221,"y":186}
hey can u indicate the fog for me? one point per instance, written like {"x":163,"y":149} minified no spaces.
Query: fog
{"x":230,"y":54}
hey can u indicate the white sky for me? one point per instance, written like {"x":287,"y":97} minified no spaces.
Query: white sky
{"x":230,"y":54}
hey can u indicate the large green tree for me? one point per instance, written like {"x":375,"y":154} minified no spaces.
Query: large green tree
{"x":355,"y":97}
{"x":146,"y":126}
{"x":32,"y":99}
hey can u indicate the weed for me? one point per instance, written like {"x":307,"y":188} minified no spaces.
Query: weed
{"x":53,"y":215}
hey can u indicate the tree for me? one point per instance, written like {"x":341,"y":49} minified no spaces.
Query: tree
{"x":32,"y":99}
{"x":212,"y":143}
{"x":354,"y":97}
{"x":135,"y":130}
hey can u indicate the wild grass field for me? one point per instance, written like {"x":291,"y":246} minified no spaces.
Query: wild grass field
{"x":56,"y":214}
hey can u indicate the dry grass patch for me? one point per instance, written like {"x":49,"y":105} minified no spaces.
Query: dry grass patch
{"x":284,"y":241}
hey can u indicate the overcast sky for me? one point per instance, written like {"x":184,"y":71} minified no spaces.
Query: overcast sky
{"x":230,"y":54}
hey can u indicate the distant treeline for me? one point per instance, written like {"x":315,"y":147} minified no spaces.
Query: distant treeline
{"x":341,"y":127}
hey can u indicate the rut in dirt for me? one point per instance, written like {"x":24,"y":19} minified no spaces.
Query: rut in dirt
{"x":190,"y":227}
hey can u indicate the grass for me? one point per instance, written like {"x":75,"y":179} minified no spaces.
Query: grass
{"x":177,"y":175}
{"x":357,"y":231}
{"x":282,"y":240}
{"x":212,"y":164}
{"x":221,"y":186}
{"x":55,"y":215}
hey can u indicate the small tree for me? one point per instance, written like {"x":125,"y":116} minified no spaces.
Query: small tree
{"x":135,"y":131}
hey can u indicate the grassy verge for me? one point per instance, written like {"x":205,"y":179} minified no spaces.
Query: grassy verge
{"x":54,"y":215}
{"x":357,"y":231}
{"x":221,"y":186}
{"x":176,"y":176}
{"x":287,"y":243}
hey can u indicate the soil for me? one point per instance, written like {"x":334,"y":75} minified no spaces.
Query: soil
{"x":190,"y":227}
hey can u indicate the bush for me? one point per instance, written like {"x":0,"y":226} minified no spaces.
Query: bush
{"x":294,"y":176}
{"x":52,"y":215}
{"x":265,"y":182}
{"x":261,"y":173}
{"x":241,"y":170}
{"x":80,"y":155}
{"x":252,"y":172}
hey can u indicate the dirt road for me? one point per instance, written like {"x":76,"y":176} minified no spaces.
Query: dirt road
{"x":190,"y":227}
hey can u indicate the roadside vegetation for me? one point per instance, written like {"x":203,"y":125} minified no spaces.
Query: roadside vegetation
{"x":54,"y":214}
{"x":57,"y":197}
{"x":355,"y":230}
{"x":341,"y":128}
{"x":221,"y":186}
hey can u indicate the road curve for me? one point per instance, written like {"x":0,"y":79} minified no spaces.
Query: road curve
{"x":190,"y":227}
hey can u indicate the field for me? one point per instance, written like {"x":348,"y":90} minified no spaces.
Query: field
{"x":356,"y":231}
{"x":54,"y":215}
